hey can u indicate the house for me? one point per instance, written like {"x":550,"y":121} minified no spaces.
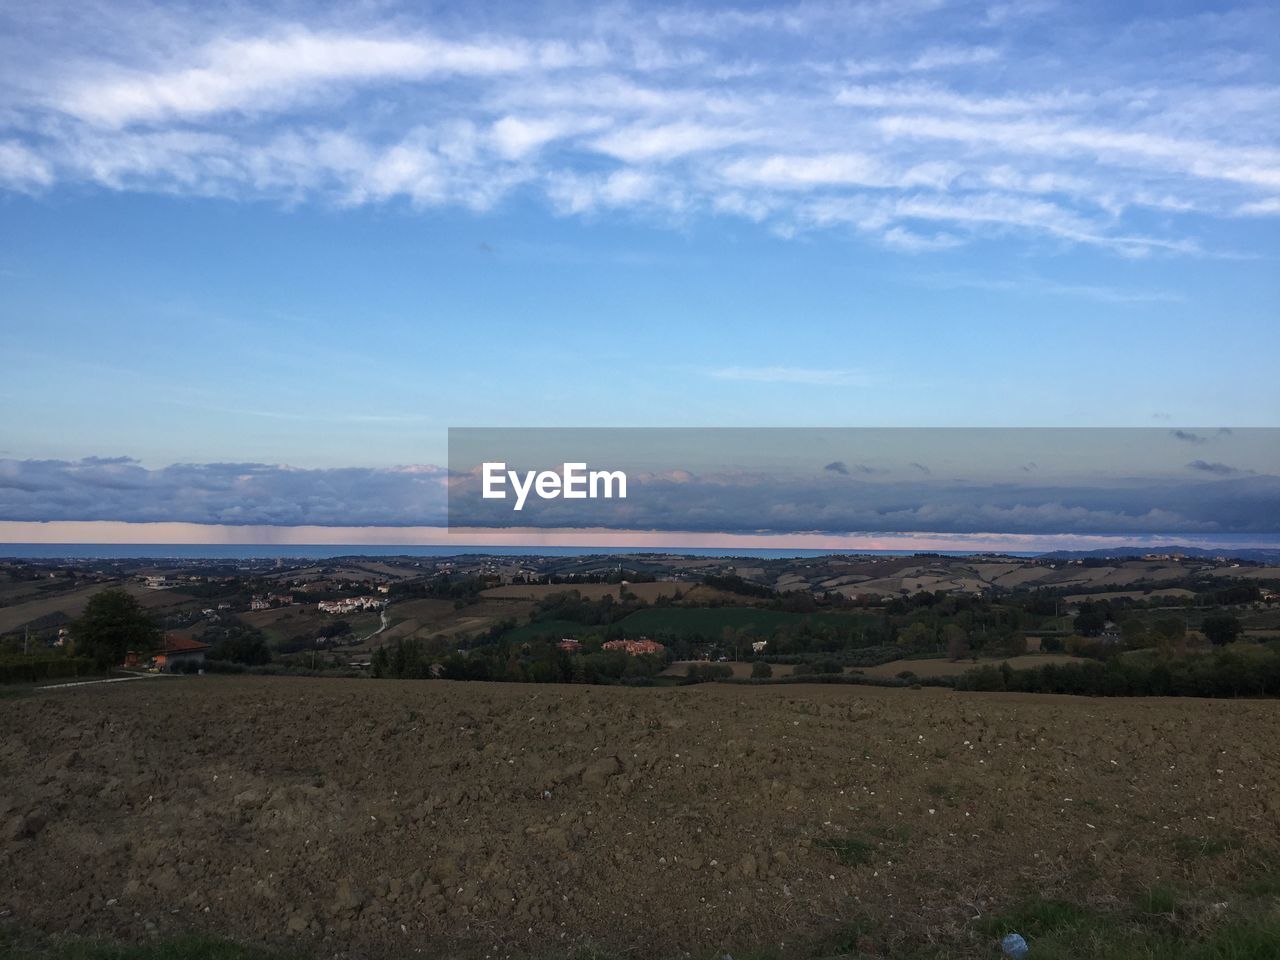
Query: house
{"x":758,"y":646}
{"x":569,"y":646}
{"x":634,"y":648}
{"x":180,"y":652}
{"x":349,"y":604}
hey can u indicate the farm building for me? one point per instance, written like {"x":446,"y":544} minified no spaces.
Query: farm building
{"x":179,"y":651}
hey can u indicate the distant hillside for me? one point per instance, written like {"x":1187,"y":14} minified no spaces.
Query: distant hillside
{"x":1241,"y":553}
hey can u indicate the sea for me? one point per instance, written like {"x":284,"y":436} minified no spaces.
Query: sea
{"x":205,"y":551}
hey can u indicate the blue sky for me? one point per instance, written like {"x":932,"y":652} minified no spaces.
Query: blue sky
{"x":318,"y":236}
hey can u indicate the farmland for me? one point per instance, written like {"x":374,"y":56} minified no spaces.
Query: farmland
{"x":380,"y":819}
{"x":712,"y":621}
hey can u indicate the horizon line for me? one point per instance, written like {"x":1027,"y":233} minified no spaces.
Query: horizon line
{"x":122,"y":533}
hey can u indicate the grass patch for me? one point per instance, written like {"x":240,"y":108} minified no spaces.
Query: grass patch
{"x":856,"y":851}
{"x":1159,"y":900}
{"x":843,"y":941}
{"x":899,"y":833}
{"x":1189,"y":847}
{"x":850,"y":851}
{"x":1263,"y":881}
{"x":1034,"y":918}
{"x":1057,"y":930}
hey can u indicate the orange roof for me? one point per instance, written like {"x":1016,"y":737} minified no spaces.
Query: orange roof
{"x":178,"y":643}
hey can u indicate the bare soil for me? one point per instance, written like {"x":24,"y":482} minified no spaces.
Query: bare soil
{"x":370,"y":818}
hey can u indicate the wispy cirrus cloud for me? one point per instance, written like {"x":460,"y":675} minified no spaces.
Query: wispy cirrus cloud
{"x":270,"y":73}
{"x":813,"y":116}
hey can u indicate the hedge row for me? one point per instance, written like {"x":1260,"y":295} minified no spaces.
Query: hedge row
{"x":860,"y":657}
{"x":36,"y":669}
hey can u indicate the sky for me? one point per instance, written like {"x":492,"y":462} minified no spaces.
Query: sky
{"x":301,"y":241}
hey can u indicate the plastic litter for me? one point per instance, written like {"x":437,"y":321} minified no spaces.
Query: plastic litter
{"x":1014,"y":946}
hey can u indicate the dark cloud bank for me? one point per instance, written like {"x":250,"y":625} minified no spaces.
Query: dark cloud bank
{"x":831,"y":499}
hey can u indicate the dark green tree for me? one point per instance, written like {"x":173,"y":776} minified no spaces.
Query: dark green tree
{"x":1091,"y":619}
{"x":113,"y":623}
{"x":1221,"y":628}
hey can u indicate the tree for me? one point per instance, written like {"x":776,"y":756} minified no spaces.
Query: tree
{"x":113,"y":623}
{"x":1134,"y":632}
{"x":1221,"y":628}
{"x":1091,"y":619}
{"x":238,"y":645}
{"x":761,"y":670}
{"x":916,"y":636}
{"x":957,"y":641}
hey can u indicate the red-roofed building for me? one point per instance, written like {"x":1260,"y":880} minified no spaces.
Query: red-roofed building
{"x":569,"y":645}
{"x":180,"y":650}
{"x":634,"y":648}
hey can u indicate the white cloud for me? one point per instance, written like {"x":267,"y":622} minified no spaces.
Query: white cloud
{"x":1252,"y":166}
{"x":936,"y":58}
{"x":669,"y":113}
{"x":842,"y":169}
{"x":21,"y":168}
{"x":935,"y":97}
{"x":271,"y":72}
{"x":640,"y":143}
{"x":516,"y":137}
{"x":623,"y":188}
{"x":900,"y":238}
{"x":1260,"y":208}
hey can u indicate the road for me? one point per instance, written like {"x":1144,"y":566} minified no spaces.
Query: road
{"x":85,"y":683}
{"x":385,"y":623}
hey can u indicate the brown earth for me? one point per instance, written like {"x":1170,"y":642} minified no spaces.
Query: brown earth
{"x":368,"y":818}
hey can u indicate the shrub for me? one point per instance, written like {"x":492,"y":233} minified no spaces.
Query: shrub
{"x":35,"y":669}
{"x":761,"y":670}
{"x":819,"y":666}
{"x":704,"y":672}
